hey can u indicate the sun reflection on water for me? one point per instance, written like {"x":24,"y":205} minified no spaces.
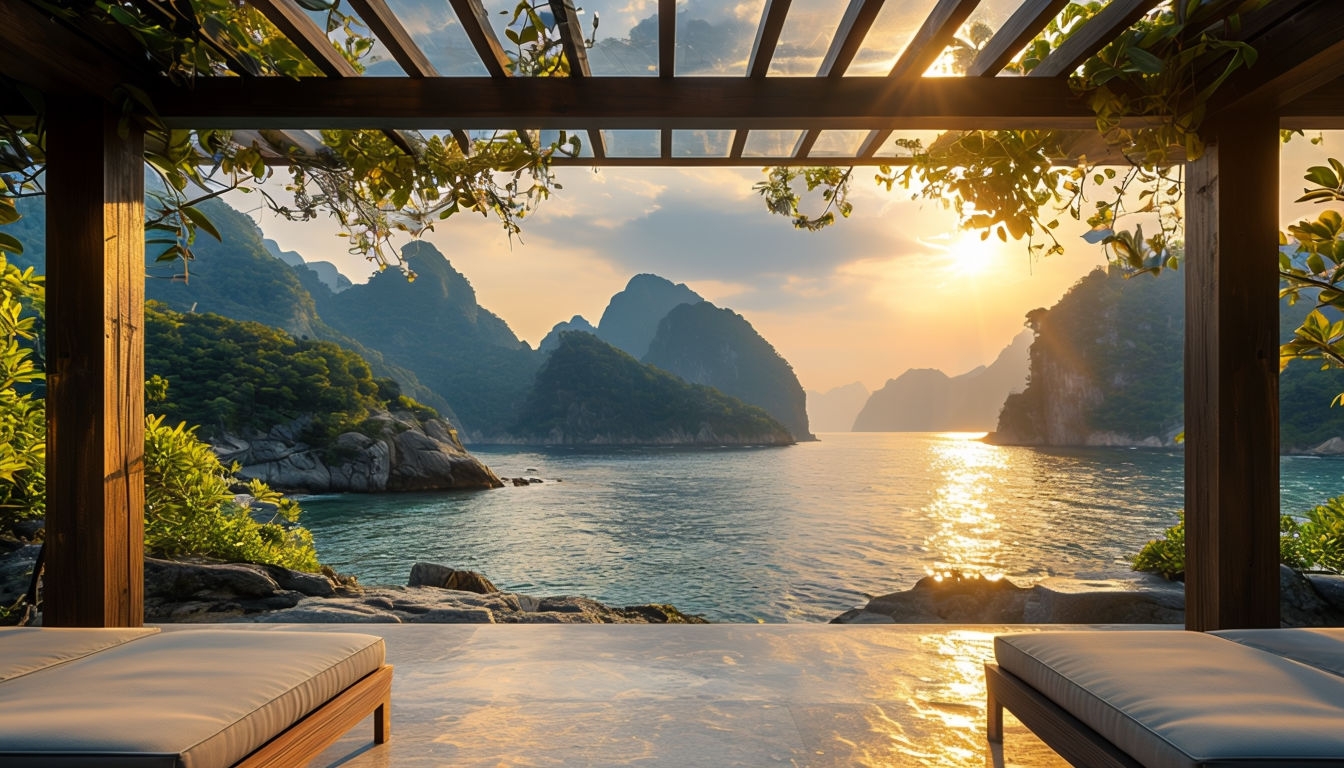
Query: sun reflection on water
{"x":964,"y":530}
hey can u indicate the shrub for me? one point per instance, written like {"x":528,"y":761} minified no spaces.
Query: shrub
{"x":23,"y":420}
{"x":1317,"y":541}
{"x":190,"y":508}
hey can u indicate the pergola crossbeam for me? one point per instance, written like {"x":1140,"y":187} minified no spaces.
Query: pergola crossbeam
{"x":1092,"y":36}
{"x":1296,"y":57}
{"x":697,"y":103}
{"x":476,"y":24}
{"x":767,"y":37}
{"x":38,"y":50}
{"x":667,"y":38}
{"x":1020,"y":28}
{"x":389,"y":30}
{"x":571,"y":37}
{"x":301,"y":30}
{"x":933,"y":36}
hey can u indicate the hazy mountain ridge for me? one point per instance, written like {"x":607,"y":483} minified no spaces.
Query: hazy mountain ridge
{"x":928,"y":400}
{"x":835,"y":409}
{"x":631,"y":318}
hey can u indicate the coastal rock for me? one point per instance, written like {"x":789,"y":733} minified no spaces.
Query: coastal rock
{"x":392,"y":452}
{"x":1332,"y":447}
{"x":16,"y":571}
{"x":435,"y":575}
{"x":1308,"y":600}
{"x":182,"y":592}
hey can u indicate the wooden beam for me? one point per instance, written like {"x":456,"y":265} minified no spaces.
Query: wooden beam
{"x":667,"y":38}
{"x":933,"y":36}
{"x":873,"y":142}
{"x":1321,"y":110}
{"x":38,"y":50}
{"x":767,"y":37}
{"x":804,"y":145}
{"x":476,"y":23}
{"x":304,"y":33}
{"x":854,"y":26}
{"x":1299,"y":54}
{"x":739,"y":145}
{"x":665,"y":143}
{"x":571,"y":37}
{"x":849,"y":36}
{"x":95,"y":368}
{"x":626,"y":102}
{"x":1231,"y":377}
{"x":385,"y":25}
{"x":1021,"y":28}
{"x":1092,"y":36}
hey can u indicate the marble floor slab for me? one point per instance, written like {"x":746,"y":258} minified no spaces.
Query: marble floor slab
{"x":717,"y":696}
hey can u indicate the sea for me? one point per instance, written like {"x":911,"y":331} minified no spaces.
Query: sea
{"x":793,"y":534}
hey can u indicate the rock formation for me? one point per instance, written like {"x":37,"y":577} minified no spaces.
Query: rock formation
{"x":396,"y":452}
{"x":1307,"y":600}
{"x":631,"y":318}
{"x":926,"y":400}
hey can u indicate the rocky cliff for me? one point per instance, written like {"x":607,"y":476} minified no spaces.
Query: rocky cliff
{"x":391,"y":452}
{"x":704,"y":344}
{"x":632,"y":316}
{"x":927,"y":400}
{"x":591,"y":393}
{"x":1105,"y":366}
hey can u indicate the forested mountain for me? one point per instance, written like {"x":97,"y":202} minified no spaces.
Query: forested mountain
{"x":1106,"y":368}
{"x":240,"y":376}
{"x":835,"y":409}
{"x":590,"y":393}
{"x":704,"y":344}
{"x":631,"y":318}
{"x":927,"y":400}
{"x":325,"y":271}
{"x":434,"y":327}
{"x":238,"y":278}
{"x":552,"y":339}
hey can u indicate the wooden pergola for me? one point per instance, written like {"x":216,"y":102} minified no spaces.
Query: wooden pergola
{"x":95,"y":179}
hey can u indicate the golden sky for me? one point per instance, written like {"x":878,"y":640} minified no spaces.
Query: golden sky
{"x":893,"y":287}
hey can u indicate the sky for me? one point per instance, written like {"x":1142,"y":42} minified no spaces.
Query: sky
{"x":893,"y":287}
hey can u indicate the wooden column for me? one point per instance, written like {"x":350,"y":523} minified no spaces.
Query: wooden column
{"x":95,"y":368}
{"x":1231,"y":377}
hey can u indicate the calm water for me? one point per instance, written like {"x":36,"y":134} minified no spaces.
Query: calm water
{"x":779,"y":534}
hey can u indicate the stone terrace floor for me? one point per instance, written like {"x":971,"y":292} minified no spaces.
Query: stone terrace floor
{"x":681,"y":696}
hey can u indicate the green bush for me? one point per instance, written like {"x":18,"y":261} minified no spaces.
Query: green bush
{"x":1317,"y":541}
{"x":1165,"y":556}
{"x":190,"y":509}
{"x":23,"y":419}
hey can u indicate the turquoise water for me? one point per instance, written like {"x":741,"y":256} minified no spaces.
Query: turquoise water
{"x":793,"y":534}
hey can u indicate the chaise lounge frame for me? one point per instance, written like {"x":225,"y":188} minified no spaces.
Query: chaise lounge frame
{"x":319,"y":729}
{"x":1067,"y":735}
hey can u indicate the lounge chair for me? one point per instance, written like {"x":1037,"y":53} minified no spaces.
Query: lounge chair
{"x":140,"y":698}
{"x":1165,"y":698}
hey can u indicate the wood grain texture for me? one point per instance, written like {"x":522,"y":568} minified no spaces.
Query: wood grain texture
{"x":626,"y":102}
{"x":321,"y":728}
{"x":1296,"y":55}
{"x":95,"y":369}
{"x":1231,"y":378}
{"x":1068,"y":736}
{"x":571,"y":37}
{"x":667,"y":38}
{"x":40,"y":51}
{"x":385,"y":25}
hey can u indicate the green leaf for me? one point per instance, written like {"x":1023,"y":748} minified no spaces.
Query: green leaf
{"x":1322,"y":175}
{"x":1144,"y":61}
{"x":10,"y":244}
{"x":201,"y":220}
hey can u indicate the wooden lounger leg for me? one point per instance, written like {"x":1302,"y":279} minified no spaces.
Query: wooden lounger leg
{"x":993,"y":712}
{"x":382,"y":722}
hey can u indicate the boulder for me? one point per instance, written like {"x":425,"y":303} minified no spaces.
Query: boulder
{"x":443,"y":577}
{"x":954,"y":598}
{"x":16,"y":572}
{"x":392,"y":452}
{"x":1303,"y":604}
{"x":1142,"y":599}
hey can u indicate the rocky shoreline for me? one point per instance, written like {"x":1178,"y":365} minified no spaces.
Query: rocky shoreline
{"x":1307,"y":600}
{"x":180,"y":592}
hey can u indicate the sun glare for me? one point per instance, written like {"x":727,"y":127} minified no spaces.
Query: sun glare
{"x":971,"y":255}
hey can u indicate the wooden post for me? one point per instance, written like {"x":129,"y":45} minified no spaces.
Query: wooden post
{"x":1231,"y":377}
{"x":95,"y":368}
